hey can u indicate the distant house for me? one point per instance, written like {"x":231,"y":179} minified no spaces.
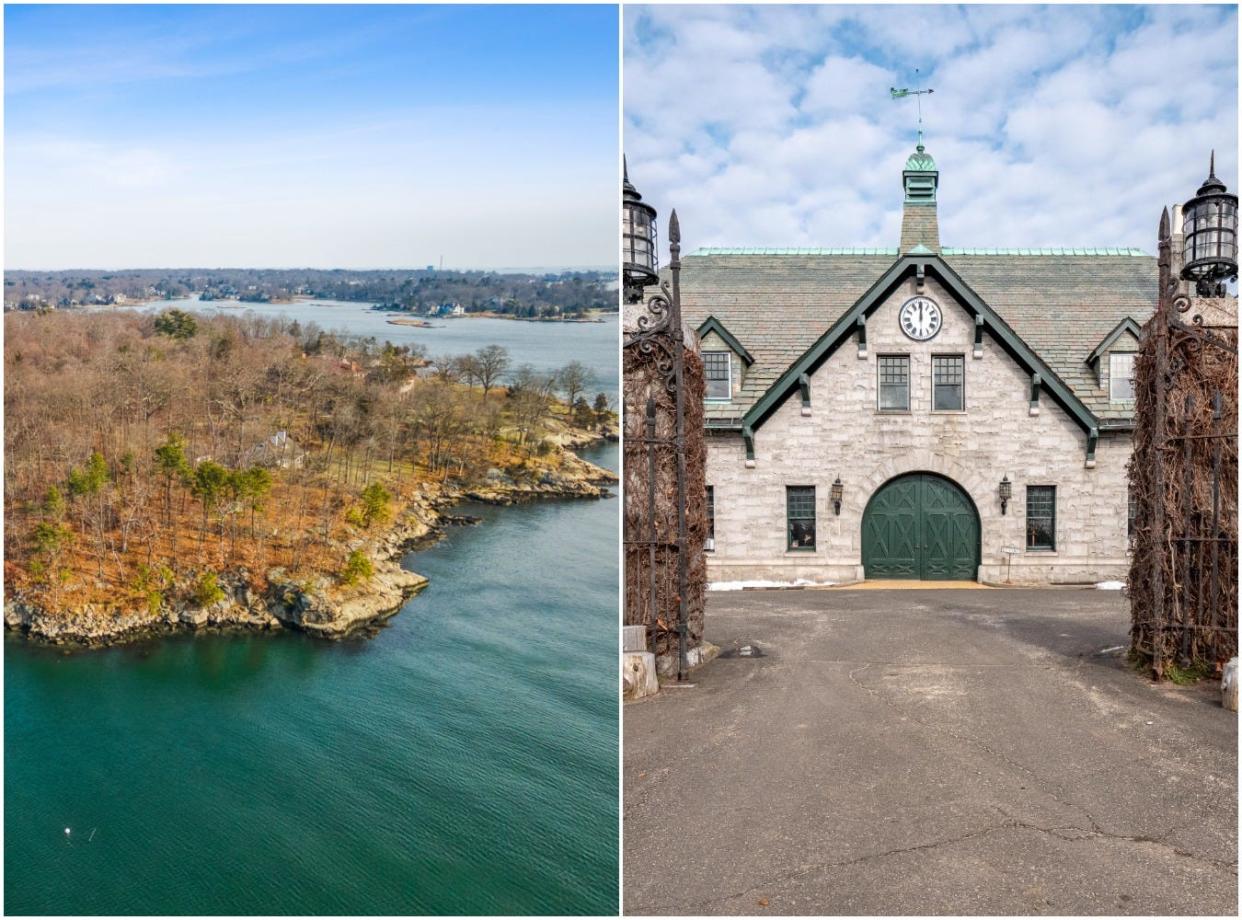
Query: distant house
{"x":279,"y":450}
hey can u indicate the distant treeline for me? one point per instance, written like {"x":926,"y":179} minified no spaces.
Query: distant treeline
{"x":416,"y":291}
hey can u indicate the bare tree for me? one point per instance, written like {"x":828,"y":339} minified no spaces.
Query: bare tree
{"x":491,"y":363}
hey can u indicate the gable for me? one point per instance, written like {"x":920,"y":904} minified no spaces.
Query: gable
{"x":713,"y":326}
{"x":920,"y":266}
{"x":780,"y":303}
{"x":1125,"y":336}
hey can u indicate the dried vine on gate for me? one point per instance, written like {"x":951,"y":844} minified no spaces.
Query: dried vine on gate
{"x":651,"y":568}
{"x":1183,"y":582}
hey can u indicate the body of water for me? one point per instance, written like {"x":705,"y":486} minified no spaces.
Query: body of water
{"x":545,"y":346}
{"x":462,"y":761}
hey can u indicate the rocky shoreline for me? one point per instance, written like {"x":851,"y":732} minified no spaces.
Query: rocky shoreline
{"x":314,"y":605}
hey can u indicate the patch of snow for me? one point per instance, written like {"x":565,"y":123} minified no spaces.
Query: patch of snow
{"x":1110,"y":585}
{"x":761,"y":583}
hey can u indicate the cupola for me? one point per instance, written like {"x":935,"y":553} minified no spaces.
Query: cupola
{"x":920,"y":179}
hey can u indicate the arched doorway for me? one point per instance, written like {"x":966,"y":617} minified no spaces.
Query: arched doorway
{"x":920,"y":525}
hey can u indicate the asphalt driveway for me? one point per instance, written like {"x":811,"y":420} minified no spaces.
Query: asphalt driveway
{"x":906,"y":752}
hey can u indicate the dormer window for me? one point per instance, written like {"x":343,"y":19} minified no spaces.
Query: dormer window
{"x":718,"y":369}
{"x":1121,"y":377}
{"x":721,"y":352}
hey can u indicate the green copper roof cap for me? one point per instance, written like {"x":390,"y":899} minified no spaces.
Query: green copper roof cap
{"x":920,"y":161}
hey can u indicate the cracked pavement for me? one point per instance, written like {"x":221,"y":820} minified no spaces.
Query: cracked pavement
{"x":928,"y":752}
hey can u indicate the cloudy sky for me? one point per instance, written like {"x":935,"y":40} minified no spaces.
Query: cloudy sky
{"x":1051,"y":126}
{"x":329,"y":136}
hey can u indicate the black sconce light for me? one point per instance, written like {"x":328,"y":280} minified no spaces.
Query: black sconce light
{"x":837,"y":490}
{"x":1006,"y":492}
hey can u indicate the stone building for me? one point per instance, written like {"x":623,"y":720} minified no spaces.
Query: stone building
{"x":923,"y":412}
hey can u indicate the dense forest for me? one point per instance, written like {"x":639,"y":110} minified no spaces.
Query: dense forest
{"x":145,"y":454}
{"x":564,"y":294}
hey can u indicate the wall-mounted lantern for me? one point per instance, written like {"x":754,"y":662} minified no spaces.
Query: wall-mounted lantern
{"x":1006,"y":492}
{"x":837,"y":490}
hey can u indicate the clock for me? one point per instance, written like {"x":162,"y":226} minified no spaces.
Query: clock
{"x":920,"y":318}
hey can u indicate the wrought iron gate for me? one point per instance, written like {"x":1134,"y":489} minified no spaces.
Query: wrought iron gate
{"x":654,"y":405}
{"x":1184,"y":586}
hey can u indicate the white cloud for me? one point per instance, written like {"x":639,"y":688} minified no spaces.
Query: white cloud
{"x":1052,"y":126}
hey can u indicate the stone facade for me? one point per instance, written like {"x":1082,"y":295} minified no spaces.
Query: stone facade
{"x":844,"y":434}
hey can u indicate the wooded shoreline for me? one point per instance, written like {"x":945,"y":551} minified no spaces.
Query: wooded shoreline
{"x":319,"y":607}
{"x":172,"y":472}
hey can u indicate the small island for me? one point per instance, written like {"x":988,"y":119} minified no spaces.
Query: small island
{"x":179,"y":472}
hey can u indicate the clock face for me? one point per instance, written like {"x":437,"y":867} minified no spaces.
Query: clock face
{"x":920,"y":318}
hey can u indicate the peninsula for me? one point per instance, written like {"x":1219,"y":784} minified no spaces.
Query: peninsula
{"x":178,"y":472}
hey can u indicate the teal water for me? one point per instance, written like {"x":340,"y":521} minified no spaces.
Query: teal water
{"x":462,"y":761}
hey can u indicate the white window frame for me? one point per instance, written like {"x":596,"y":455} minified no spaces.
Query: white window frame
{"x":728,"y":366}
{"x":1113,"y":377}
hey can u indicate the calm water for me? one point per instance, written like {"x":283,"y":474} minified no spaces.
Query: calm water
{"x":546,"y":346}
{"x":463,"y":761}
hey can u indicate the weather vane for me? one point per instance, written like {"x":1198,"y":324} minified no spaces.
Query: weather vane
{"x":918,"y":95}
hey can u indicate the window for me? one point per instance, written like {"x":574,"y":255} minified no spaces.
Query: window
{"x":948,"y":383}
{"x":894,"y":383}
{"x":1121,"y":377}
{"x":711,"y":519}
{"x":716,"y":367}
{"x":1041,"y":517}
{"x":1131,"y":515}
{"x":800,"y":512}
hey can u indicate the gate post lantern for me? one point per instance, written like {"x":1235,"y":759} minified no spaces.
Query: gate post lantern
{"x":638,"y":240}
{"x":1210,"y":232}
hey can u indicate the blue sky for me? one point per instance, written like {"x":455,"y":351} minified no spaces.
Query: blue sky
{"x":350,"y":136}
{"x":1051,"y":126}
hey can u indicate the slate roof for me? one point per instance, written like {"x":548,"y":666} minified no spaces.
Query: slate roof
{"x":777,"y":303}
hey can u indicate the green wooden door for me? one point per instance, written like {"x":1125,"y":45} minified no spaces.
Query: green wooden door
{"x":920,"y":526}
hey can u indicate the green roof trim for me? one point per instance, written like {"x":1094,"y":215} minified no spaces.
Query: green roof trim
{"x":950,"y":251}
{"x":1129,"y":325}
{"x":823,"y":348}
{"x":947,"y":251}
{"x":777,"y":251}
{"x":711,"y":324}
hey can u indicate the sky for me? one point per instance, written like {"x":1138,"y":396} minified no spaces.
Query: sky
{"x":1051,"y":126}
{"x":310,"y":136}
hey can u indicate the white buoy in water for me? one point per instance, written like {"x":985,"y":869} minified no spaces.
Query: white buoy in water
{"x":66,"y":832}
